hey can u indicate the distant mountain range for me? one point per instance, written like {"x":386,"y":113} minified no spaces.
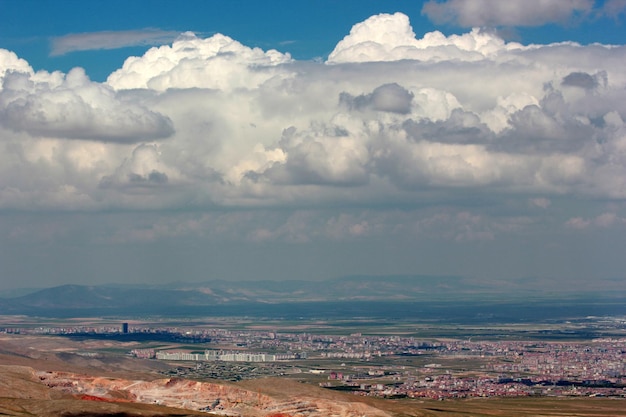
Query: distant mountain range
{"x":223,"y":296}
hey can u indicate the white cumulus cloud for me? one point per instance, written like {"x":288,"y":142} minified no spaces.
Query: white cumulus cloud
{"x":389,"y":117}
{"x":388,"y":37}
{"x":73,"y":107}
{"x":217,"y":62}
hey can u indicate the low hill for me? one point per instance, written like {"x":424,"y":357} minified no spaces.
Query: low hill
{"x":354,"y":296}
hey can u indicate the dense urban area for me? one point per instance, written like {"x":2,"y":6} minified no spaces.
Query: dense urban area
{"x":390,"y":366}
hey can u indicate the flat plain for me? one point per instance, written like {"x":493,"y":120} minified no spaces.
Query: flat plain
{"x":94,"y":375}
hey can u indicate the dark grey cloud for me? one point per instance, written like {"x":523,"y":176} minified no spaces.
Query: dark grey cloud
{"x":585,"y":81}
{"x":547,"y":128}
{"x":391,"y":98}
{"x":461,"y":127}
{"x":154,"y":177}
{"x":580,"y":79}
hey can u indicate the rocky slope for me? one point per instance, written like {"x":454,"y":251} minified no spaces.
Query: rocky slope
{"x":200,"y":396}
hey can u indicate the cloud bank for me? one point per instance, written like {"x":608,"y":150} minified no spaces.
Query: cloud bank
{"x":390,"y":119}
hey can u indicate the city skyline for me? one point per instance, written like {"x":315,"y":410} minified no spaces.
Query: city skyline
{"x":142,"y":143}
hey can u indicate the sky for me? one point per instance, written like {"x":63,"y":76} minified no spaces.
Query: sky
{"x":159,"y":141}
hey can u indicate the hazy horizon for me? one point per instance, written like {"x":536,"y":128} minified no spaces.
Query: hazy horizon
{"x":150,"y":143}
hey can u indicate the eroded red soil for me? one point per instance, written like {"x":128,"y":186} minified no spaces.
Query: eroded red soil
{"x":200,"y":396}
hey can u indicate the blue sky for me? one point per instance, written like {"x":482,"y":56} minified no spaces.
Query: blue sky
{"x":306,"y":29}
{"x":156,"y":141}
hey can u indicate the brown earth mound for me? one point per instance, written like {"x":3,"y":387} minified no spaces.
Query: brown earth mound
{"x":202,"y":396}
